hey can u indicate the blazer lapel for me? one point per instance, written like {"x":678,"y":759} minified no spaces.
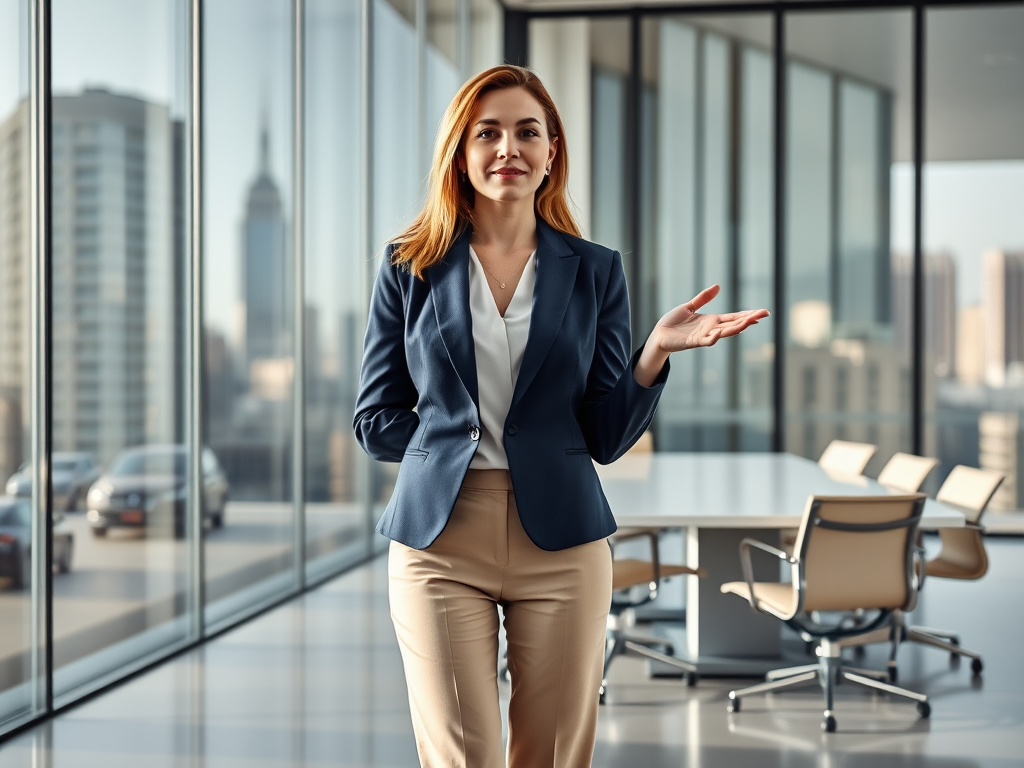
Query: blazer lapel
{"x":449,"y":291}
{"x":556,"y":275}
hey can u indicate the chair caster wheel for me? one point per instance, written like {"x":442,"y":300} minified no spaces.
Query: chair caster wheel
{"x":858,"y":651}
{"x":977,"y":666}
{"x":893,"y":675}
{"x":828,"y":724}
{"x":734,"y":703}
{"x":924,"y":709}
{"x":600,"y":697}
{"x":691,"y":679}
{"x":670,"y":649}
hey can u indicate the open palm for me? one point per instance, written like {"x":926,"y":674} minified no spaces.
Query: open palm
{"x":685,"y":328}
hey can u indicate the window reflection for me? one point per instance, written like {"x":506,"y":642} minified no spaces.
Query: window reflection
{"x":848,"y":286}
{"x":249,"y":294}
{"x":974,"y":244}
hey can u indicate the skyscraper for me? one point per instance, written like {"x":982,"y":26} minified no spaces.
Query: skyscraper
{"x":266,"y":279}
{"x":117,"y":203}
{"x":940,"y":314}
{"x":1004,"y":317}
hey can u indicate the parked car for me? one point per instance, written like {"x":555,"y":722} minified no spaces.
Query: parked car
{"x":145,"y":487}
{"x":16,"y":542}
{"x":72,"y":475}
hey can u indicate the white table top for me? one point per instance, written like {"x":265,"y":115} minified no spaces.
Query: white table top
{"x":733,"y":490}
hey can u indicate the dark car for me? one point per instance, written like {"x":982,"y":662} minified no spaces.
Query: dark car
{"x":72,"y":475}
{"x":16,"y":542}
{"x":145,"y":487}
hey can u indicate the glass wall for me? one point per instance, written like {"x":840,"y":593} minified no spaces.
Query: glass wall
{"x":848,"y":278}
{"x":248,"y":302}
{"x":974,"y":243}
{"x":118,"y":273}
{"x":336,"y":276}
{"x":16,"y":638}
{"x":707,"y":217}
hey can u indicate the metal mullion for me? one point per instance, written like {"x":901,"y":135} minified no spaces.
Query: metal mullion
{"x":633,"y":161}
{"x":366,"y":273}
{"x":917,"y":281}
{"x":424,"y":132}
{"x":299,"y":255}
{"x":781,"y":311}
{"x":41,"y":395}
{"x":195,"y":427}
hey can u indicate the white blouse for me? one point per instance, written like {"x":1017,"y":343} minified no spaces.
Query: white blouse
{"x":499,"y":343}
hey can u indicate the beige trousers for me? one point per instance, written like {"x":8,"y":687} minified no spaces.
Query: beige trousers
{"x":444,"y":603}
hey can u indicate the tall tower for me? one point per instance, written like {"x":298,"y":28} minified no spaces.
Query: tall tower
{"x":266,"y":280}
{"x":1003,"y":306}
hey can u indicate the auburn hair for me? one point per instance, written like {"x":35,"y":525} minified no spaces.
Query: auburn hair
{"x":448,"y":209}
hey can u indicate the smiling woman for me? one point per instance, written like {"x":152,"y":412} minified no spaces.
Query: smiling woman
{"x":496,"y":365}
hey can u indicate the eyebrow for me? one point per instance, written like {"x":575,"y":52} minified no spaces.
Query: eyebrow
{"x":493,"y":121}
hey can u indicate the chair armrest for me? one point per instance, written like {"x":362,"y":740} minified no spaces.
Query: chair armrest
{"x":748,"y":569}
{"x":652,"y":535}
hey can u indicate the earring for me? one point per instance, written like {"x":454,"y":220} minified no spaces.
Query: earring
{"x":547,"y":171}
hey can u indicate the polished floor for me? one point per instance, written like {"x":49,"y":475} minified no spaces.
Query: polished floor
{"x":318,"y":682}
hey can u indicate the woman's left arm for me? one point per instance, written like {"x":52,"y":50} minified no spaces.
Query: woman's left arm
{"x":684,"y":328}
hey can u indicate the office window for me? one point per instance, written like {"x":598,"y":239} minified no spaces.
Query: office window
{"x":249,"y":329}
{"x":118,"y":437}
{"x":848,"y":287}
{"x":337,"y":273}
{"x":17,"y":687}
{"x":706,"y":189}
{"x":974,"y":244}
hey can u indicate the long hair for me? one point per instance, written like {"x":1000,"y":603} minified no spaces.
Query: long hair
{"x":448,"y":209}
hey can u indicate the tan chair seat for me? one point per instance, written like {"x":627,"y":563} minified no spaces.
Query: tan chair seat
{"x":628,"y":573}
{"x":780,"y":598}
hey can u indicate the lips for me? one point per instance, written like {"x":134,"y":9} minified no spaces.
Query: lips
{"x":509,"y":173}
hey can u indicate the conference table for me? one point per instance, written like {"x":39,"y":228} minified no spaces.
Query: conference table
{"x":717,"y":500}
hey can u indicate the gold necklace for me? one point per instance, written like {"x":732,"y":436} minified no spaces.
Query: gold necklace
{"x":500,"y":283}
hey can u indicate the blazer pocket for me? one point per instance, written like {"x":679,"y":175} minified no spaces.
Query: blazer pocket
{"x":416,"y":453}
{"x":577,"y":452}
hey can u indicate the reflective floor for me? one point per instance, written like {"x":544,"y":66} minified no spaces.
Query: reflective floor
{"x":318,"y":682}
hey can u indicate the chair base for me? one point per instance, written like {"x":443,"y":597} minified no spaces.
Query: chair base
{"x":828,"y":672}
{"x":899,"y":633}
{"x":619,"y":643}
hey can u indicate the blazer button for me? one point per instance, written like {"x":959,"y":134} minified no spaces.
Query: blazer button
{"x":474,"y":432}
{"x":512,"y":429}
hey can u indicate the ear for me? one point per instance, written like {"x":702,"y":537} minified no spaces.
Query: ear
{"x":460,"y":162}
{"x":552,"y":150}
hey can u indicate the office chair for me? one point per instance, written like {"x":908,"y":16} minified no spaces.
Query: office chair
{"x":962,"y":556}
{"x":852,"y":553}
{"x":906,"y":472}
{"x":846,"y":458}
{"x":635,"y":583}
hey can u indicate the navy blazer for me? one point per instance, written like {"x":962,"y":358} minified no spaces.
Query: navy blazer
{"x":575,"y":398}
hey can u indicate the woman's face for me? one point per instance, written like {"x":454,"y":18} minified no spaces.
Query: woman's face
{"x":507,"y":148}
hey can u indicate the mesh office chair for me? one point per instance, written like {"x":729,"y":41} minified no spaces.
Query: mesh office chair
{"x":962,"y":556}
{"x":634,"y":583}
{"x":852,"y":553}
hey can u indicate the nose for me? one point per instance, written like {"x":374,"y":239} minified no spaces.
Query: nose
{"x":508,"y":147}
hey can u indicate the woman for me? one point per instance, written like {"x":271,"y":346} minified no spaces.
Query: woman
{"x":496,"y":367}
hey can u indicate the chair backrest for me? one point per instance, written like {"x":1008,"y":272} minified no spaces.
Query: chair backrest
{"x":847,"y":458}
{"x":906,"y":472}
{"x":969,"y":488}
{"x":857,"y":552}
{"x":963,"y":554}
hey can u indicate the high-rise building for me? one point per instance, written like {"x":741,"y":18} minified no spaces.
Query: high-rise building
{"x":266,"y":275}
{"x":940,"y":314}
{"x":1004,"y":317}
{"x":117,"y":204}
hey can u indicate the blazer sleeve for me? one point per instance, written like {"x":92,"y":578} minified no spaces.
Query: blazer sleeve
{"x":617,"y":410}
{"x":384,"y":420}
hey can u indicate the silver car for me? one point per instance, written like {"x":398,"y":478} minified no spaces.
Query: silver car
{"x":73,"y":473}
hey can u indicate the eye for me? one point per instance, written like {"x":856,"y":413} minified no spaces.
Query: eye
{"x":530,"y":133}
{"x":486,"y":133}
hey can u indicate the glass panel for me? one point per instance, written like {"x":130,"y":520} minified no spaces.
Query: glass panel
{"x":119,"y":110}
{"x":707,"y":174}
{"x":248,"y":303}
{"x":848,"y":278}
{"x":486,"y":35}
{"x":15,"y":379}
{"x":609,"y":83}
{"x":442,"y":77}
{"x":336,"y":272}
{"x":974,"y":244}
